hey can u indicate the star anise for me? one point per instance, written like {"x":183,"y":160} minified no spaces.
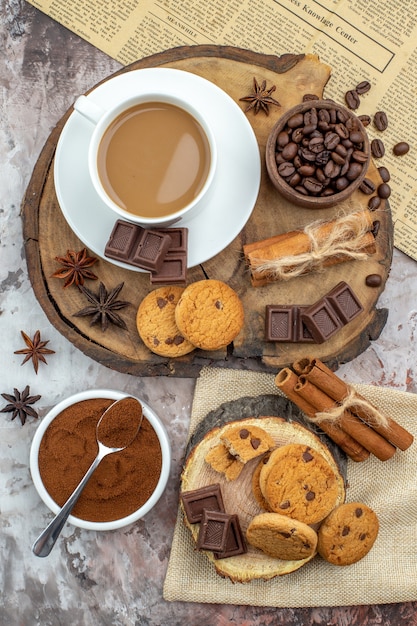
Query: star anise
{"x":35,"y":349}
{"x":75,"y":268}
{"x":19,"y":404}
{"x":260,"y":98}
{"x":103,"y":306}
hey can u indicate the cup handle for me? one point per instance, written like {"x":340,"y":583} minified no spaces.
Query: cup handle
{"x":91,"y":111}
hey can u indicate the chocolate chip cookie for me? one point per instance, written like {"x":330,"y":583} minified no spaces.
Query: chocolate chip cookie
{"x":348,"y":533}
{"x":282,"y":537}
{"x":300,"y":483}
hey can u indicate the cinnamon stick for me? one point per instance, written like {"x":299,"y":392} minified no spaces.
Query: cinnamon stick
{"x":322,"y":377}
{"x":352,"y":425}
{"x":295,"y":243}
{"x":286,"y":381}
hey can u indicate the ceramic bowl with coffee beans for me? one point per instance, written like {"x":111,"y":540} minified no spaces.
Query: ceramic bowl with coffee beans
{"x":317,"y":154}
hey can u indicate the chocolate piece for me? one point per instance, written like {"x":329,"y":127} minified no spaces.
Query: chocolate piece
{"x":174,"y":266}
{"x":214,"y":529}
{"x":172,"y":270}
{"x":122,"y":239}
{"x":373,"y":280}
{"x":137,"y":246}
{"x":195,"y":501}
{"x":344,"y":302}
{"x":321,"y":320}
{"x":284,"y":324}
{"x":235,"y":542}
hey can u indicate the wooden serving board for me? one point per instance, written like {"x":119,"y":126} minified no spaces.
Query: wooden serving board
{"x":238,"y":495}
{"x":48,"y":235}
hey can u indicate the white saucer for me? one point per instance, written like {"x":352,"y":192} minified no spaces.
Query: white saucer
{"x":237,"y":179}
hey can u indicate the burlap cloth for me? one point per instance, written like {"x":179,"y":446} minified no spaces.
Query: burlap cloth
{"x":387,"y":574}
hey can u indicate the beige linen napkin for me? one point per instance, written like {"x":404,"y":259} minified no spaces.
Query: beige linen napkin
{"x":387,"y":574}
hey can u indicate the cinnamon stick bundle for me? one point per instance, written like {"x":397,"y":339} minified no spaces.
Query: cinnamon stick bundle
{"x":327,"y":381}
{"x":319,"y":245}
{"x":349,"y":419}
{"x":286,"y":380}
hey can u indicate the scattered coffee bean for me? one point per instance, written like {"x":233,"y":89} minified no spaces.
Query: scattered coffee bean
{"x":377,"y":148}
{"x":373,"y":280}
{"x":381,"y":120}
{"x":367,"y":186}
{"x":310,"y":96}
{"x":384,"y":191}
{"x":384,"y":174}
{"x":373,"y":203}
{"x":352,"y":99}
{"x":401,"y":148}
{"x":363,"y":87}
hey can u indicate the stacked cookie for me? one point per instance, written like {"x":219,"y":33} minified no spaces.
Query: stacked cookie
{"x":172,"y":320}
{"x":298,"y":489}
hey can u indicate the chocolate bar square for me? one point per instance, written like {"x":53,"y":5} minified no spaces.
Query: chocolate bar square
{"x":122,"y":240}
{"x":344,"y":302}
{"x":279,"y":323}
{"x":235,"y":541}
{"x":321,"y":320}
{"x":196,"y":500}
{"x":172,"y":270}
{"x":214,"y":530}
{"x":179,"y":239}
{"x":302,"y":334}
{"x":150,"y":251}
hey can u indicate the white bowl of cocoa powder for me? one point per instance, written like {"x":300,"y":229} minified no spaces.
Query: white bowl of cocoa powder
{"x":125,"y":486}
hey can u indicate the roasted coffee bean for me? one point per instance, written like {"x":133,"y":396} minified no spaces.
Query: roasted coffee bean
{"x":324,"y":115}
{"x":323,"y":157}
{"x":375,"y":228}
{"x":363,"y":87}
{"x":309,"y":128}
{"x":294,"y":180}
{"x":342,"y":116}
{"x":282,"y":139}
{"x":367,"y":186}
{"x":354,"y":171}
{"x":335,"y":156}
{"x":356,"y":136}
{"x":310,"y":96}
{"x":316,"y":145}
{"x":381,"y":120}
{"x":365,"y":119}
{"x":312,"y":185}
{"x":296,"y":120}
{"x":359,"y":156}
{"x":342,"y":131}
{"x":384,"y":191}
{"x":341,"y":150}
{"x":297,"y":135}
{"x":333,"y":116}
{"x":373,"y":203}
{"x":401,"y":148}
{"x":377,"y":148}
{"x":311,"y":117}
{"x":306,"y":170}
{"x":352,"y":99}
{"x":279,"y":158}
{"x":384,"y":174}
{"x":286,"y":169}
{"x":289,"y":151}
{"x":301,"y":190}
{"x":341,"y":183}
{"x":321,"y":176}
{"x":331,"y":140}
{"x":307,"y":155}
{"x":352,"y":124}
{"x":331,"y":169}
{"x":327,"y":192}
{"x":373,"y":280}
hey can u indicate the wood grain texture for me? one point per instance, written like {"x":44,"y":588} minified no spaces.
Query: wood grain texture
{"x":47,"y":235}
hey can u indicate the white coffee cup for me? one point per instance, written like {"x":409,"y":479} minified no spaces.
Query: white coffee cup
{"x":196,"y":199}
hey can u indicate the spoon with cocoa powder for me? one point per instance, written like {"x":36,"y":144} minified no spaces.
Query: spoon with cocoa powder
{"x":115,"y":430}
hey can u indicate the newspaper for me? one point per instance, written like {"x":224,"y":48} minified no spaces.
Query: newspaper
{"x":360,"y":40}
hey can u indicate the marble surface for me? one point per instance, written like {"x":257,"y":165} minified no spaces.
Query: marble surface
{"x":115,"y":578}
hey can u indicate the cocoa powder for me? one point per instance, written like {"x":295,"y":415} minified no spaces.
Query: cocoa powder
{"x":123,"y":481}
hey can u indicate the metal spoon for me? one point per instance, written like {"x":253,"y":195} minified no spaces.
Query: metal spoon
{"x":46,"y":540}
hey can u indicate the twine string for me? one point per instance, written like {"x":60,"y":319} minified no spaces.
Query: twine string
{"x":369,"y":414}
{"x":345,"y":240}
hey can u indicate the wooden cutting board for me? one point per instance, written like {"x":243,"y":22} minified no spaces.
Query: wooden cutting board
{"x":48,"y":235}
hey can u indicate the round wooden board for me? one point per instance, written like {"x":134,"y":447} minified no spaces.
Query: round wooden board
{"x":48,"y":235}
{"x":238,"y":496}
